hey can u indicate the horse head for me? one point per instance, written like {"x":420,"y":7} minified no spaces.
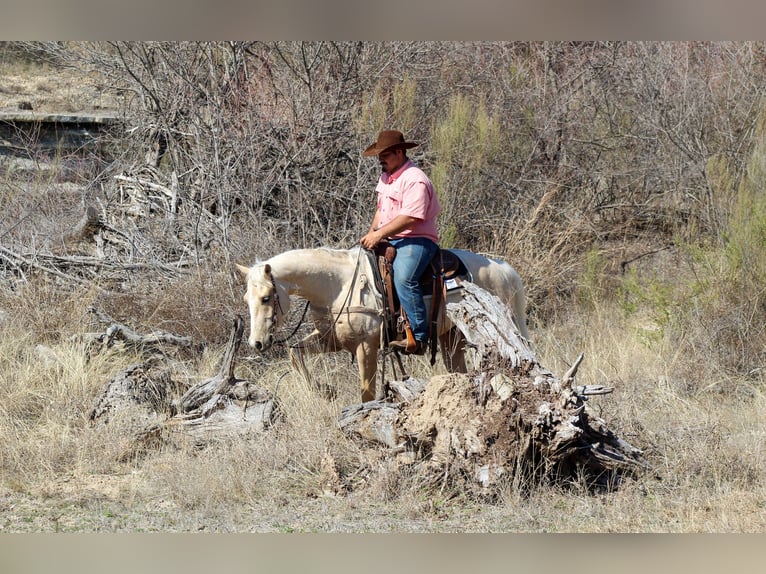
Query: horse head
{"x":268,"y":302}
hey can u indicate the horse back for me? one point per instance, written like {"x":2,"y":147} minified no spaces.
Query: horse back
{"x":494,"y":275}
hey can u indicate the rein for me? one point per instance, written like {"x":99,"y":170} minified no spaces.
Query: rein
{"x":278,"y":305}
{"x":298,"y":326}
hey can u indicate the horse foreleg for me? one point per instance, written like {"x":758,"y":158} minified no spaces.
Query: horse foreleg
{"x":367,"y":358}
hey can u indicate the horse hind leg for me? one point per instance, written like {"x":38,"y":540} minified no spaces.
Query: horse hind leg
{"x":452,"y":345}
{"x":519,"y":305}
{"x":367,"y":359}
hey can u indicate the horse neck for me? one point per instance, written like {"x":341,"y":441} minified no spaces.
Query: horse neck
{"x":317,"y":275}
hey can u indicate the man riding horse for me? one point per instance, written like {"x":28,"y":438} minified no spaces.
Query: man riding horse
{"x":345,"y":306}
{"x":406,"y":212}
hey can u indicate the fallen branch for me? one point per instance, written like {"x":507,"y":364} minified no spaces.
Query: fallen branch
{"x":155,"y":340}
{"x":146,"y":183}
{"x":20,"y":261}
{"x":50,"y":264}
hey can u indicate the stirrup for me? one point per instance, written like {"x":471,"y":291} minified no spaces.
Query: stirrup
{"x":408,"y":347}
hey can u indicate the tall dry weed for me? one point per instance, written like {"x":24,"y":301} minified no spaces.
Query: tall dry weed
{"x":48,"y":386}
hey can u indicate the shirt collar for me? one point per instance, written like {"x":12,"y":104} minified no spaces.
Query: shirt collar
{"x":389,"y":179}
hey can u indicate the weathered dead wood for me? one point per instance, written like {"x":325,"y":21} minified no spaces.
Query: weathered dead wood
{"x":212,"y":390}
{"x":23,"y":263}
{"x":143,"y":202}
{"x":406,"y":391}
{"x":217,"y":408}
{"x":74,"y":268}
{"x":142,"y":388}
{"x":511,"y":417}
{"x":489,"y":328}
{"x":152,"y":342}
{"x":225,"y":405}
{"x":374,"y":421}
{"x":142,"y":182}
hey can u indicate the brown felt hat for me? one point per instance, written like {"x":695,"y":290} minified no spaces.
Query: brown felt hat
{"x":388,"y":139}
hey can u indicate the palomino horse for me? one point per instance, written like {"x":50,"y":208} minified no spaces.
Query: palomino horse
{"x":346,"y":307}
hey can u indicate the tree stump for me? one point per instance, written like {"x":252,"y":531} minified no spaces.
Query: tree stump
{"x":220,"y":407}
{"x":144,"y":387}
{"x":225,"y":404}
{"x":508,"y":419}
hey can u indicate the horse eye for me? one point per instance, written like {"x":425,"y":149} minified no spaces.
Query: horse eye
{"x":266,"y":299}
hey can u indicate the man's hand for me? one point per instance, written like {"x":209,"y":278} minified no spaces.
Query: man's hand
{"x":399,"y":224}
{"x":370,"y":240}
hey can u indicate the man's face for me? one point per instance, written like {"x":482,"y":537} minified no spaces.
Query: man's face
{"x":391,"y":160}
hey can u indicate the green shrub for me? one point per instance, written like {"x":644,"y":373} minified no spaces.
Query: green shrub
{"x":590,"y":289}
{"x":465,"y":142}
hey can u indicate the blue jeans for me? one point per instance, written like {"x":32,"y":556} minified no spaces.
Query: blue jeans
{"x":412,"y":258}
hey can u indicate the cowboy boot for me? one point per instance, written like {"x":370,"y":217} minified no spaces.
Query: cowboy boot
{"x":408,"y":345}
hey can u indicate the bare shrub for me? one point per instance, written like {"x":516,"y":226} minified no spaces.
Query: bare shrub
{"x":620,"y":178}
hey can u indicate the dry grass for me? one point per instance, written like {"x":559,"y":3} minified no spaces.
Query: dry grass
{"x":49,"y":88}
{"x":704,"y":443}
{"x":698,"y":423}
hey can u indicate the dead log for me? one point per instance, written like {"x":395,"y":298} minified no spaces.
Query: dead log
{"x":224,"y":405}
{"x":509,"y":418}
{"x":156,"y":341}
{"x":217,"y":408}
{"x":136,"y":400}
{"x":144,"y":388}
{"x":204,"y":395}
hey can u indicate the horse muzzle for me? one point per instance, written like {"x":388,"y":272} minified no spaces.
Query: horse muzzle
{"x":260,"y":345}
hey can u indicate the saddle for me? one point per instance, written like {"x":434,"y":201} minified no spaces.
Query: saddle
{"x":444,"y":269}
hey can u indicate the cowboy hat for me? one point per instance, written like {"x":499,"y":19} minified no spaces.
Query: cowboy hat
{"x":388,"y":139}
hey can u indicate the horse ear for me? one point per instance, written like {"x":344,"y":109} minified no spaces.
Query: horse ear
{"x":242,"y":269}
{"x":267,"y":269}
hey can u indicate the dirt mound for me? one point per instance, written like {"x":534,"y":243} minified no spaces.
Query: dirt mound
{"x":462,"y":424}
{"x":509,"y":419}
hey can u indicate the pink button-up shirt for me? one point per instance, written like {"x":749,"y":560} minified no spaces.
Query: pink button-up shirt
{"x":408,"y":191}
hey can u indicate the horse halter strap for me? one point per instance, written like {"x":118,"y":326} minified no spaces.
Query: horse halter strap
{"x":276,"y":304}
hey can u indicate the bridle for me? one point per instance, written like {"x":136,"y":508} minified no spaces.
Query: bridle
{"x":276,"y":307}
{"x":283,"y":340}
{"x":275,"y":300}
